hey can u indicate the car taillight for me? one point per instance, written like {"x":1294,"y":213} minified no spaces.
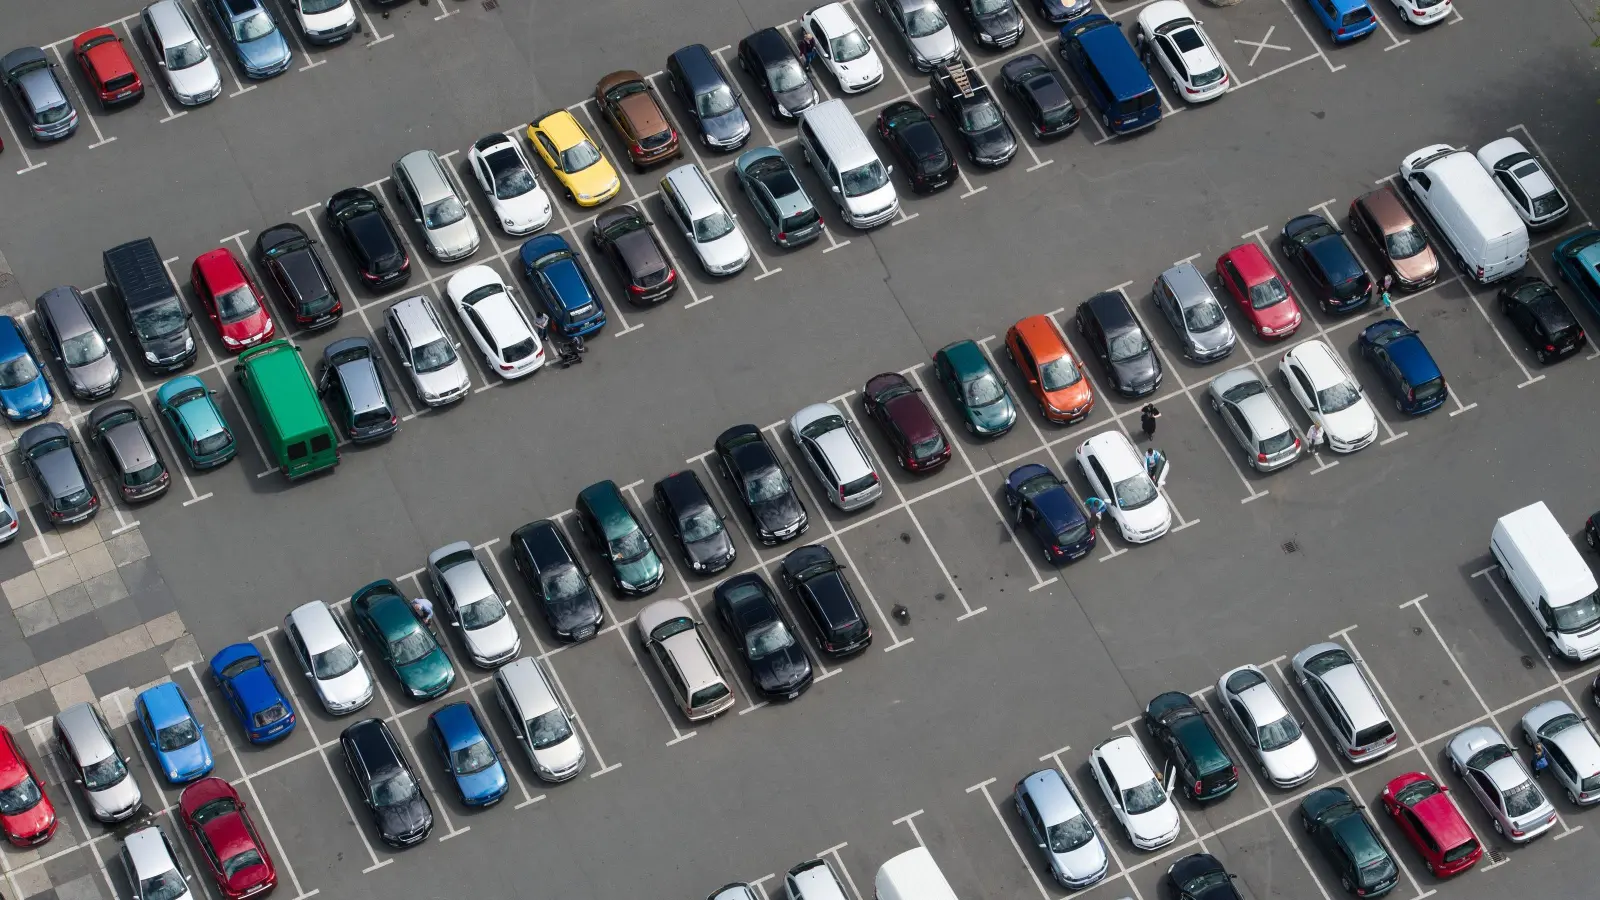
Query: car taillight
{"x":1297,"y":443}
{"x":506,"y":367}
{"x":841,"y":494}
{"x":1389,"y":739}
{"x":1340,"y":31}
{"x":1359,"y":751}
{"x":394,"y":419}
{"x":1261,"y":457}
{"x":1517,"y":832}
{"x":1057,"y":549}
{"x":1411,"y":394}
{"x":783,"y":235}
{"x":635,"y":289}
{"x":1549,"y":348}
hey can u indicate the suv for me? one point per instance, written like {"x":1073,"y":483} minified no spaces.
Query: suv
{"x":96,"y":765}
{"x":558,"y":580}
{"x":769,"y":183}
{"x":435,"y":205}
{"x":37,"y":91}
{"x":192,"y":75}
{"x":120,"y":431}
{"x":291,"y":258}
{"x":539,"y":720}
{"x":438,"y":376}
{"x":77,"y":343}
{"x":673,"y":639}
{"x":1191,"y":745}
{"x":811,"y":575}
{"x":617,"y":534}
{"x":157,"y":318}
{"x":835,"y":453}
{"x":1344,"y":702}
{"x":961,"y":94}
{"x":351,"y":378}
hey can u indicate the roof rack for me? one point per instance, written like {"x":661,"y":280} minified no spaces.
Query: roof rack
{"x":958,"y":74}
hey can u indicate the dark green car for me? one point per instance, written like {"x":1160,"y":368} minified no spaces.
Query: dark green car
{"x":617,"y":533}
{"x":412,"y":653}
{"x":975,"y":388}
{"x":1349,"y":841}
{"x":1191,"y":745}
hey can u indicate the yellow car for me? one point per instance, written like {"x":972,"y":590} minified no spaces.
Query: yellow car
{"x":575,"y":159}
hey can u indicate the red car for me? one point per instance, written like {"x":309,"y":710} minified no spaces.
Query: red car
{"x":106,"y":65}
{"x":1263,"y":295}
{"x":231,"y":300}
{"x":25,"y":812}
{"x":898,"y":408}
{"x":1424,"y":811}
{"x":220,"y":827}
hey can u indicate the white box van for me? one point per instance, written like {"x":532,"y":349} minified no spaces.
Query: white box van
{"x":913,"y":875}
{"x":1463,"y":204}
{"x":1554,"y":582}
{"x":838,"y":152}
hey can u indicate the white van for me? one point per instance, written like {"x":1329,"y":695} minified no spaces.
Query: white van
{"x":838,"y":151}
{"x":1555,"y":584}
{"x":1463,"y":204}
{"x":913,"y":875}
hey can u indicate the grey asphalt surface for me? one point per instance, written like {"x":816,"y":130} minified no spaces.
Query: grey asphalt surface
{"x":972,"y":697}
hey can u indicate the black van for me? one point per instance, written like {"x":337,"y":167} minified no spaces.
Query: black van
{"x":156,"y":316}
{"x":710,"y":97}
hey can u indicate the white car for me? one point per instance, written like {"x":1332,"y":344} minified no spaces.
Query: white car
{"x":520,"y":205}
{"x":1269,"y":730}
{"x":1133,"y":789}
{"x":1571,"y":745}
{"x":1330,"y":396}
{"x":152,"y":865}
{"x":1524,"y":181}
{"x":328,"y":657}
{"x":704,"y":220}
{"x":1423,"y":12}
{"x":844,"y":49}
{"x":325,"y":21}
{"x":1116,"y":473}
{"x":495,"y":322}
{"x":836,"y":455}
{"x":1482,"y":758}
{"x":1170,"y":33}
{"x":472,"y":605}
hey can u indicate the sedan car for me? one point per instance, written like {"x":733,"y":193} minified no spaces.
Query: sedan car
{"x":24,"y":392}
{"x":772,"y":64}
{"x":975,"y":388}
{"x":1404,"y":364}
{"x":51,"y":460}
{"x":117,"y":427}
{"x":843,"y":48}
{"x":1184,"y":732}
{"x":197,"y":424}
{"x":1542,"y":318}
{"x":252,"y":691}
{"x":623,"y":235}
{"x":558,"y":580}
{"x":923,"y":29}
{"x":74,"y":338}
{"x":1117,"y":339}
{"x":1345,"y":20}
{"x":1042,"y":501}
{"x":27,"y":816}
{"x":761,"y":484}
{"x":995,"y":23}
{"x":760,"y":632}
{"x":1035,"y":85}
{"x":468,"y":755}
{"x":350,"y":379}
{"x":1577,"y":261}
{"x":672,"y":638}
{"x":837,"y":456}
{"x":387,"y":785}
{"x":1262,"y":294}
{"x":1201,"y":876}
{"x":563,"y":287}
{"x":471,"y":604}
{"x":1348,"y":839}
{"x":1519,"y":175}
{"x":1171,"y":34}
{"x":1423,"y":811}
{"x":1339,"y":280}
{"x":235,"y":856}
{"x":107,"y":67}
{"x":1482,"y":758}
{"x":1133,"y":789}
{"x":495,"y":322}
{"x":918,"y":147}
{"x":1040,"y":352}
{"x":906,"y":421}
{"x":289,"y":256}
{"x":328,"y":657}
{"x":44,"y":105}
{"x":586,"y":176}
{"x":817,"y":580}
{"x":1382,"y":220}
{"x":618,"y":535}
{"x":175,"y":737}
{"x":701,"y":532}
{"x":258,"y":44}
{"x":519,"y":204}
{"x":360,"y":220}
{"x":960,"y":93}
{"x":406,"y":645}
{"x":1185,"y":300}
{"x":1269,"y":731}
{"x":1117,"y":474}
{"x":1330,"y":396}
{"x":230,"y":299}
{"x":629,"y":103}
{"x":151,"y":862}
{"x":1061,"y":829}
{"x":436,"y":207}
{"x":1571,"y":746}
{"x":1254,"y":418}
{"x":781,"y":203}
{"x":425,"y":352}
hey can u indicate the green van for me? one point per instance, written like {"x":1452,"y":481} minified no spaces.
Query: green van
{"x":293,"y":423}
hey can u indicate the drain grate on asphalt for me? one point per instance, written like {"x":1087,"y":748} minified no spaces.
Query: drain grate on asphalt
{"x":1291,"y":546}
{"x":1497,"y":856}
{"x":491,"y":4}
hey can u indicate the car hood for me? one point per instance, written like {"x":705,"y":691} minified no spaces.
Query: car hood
{"x":728,"y":126}
{"x":29,"y":397}
{"x":169,"y":346}
{"x":1418,"y":267}
{"x":427,"y":674}
{"x":327,"y":21}
{"x":1211,"y":341}
{"x":801,"y":98}
{"x":115,"y":799}
{"x":994,"y":417}
{"x":1136,"y":373}
{"x":640,"y":572}
{"x":574,"y":612}
{"x":782,"y":670}
{"x":443,"y":381}
{"x":455,"y":238}
{"x":186,"y":761}
{"x":993,"y":142}
{"x":31,"y":821}
{"x":857,"y":71}
{"x":264,"y":52}
{"x":347,"y":688}
{"x":1292,"y":761}
{"x":404,"y":818}
{"x":200,"y":78}
{"x":96,"y":376}
{"x":1352,"y":422}
{"x":939,"y":45}
{"x":560,"y":757}
{"x":1082,"y":863}
{"x":1157,"y":822}
{"x":485,"y":783}
{"x":776,"y":515}
{"x":1003,"y":22}
{"x":725,"y":250}
{"x":712,"y":550}
{"x":492,"y":641}
{"x":60,"y":473}
{"x":1147,"y":518}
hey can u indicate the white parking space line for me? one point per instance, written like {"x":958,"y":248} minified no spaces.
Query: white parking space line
{"x":21,"y":500}
{"x":16,"y":142}
{"x":1565,"y":188}
{"x":1539,"y":650}
{"x":595,"y":278}
{"x":999,"y":819}
{"x":1309,"y":39}
{"x":371,"y":28}
{"x":1199,"y":839}
{"x":1394,"y":42}
{"x":1123,"y":871}
{"x":168,"y":808}
{"x":844,"y":549}
{"x":750,"y":113}
{"x":841,"y":868}
{"x":83,"y":103}
{"x":226,"y":65}
{"x":889,"y":62}
{"x":151,"y":82}
{"x":295,"y":39}
{"x":77,"y":814}
{"x":833,"y":242}
{"x":446,"y":14}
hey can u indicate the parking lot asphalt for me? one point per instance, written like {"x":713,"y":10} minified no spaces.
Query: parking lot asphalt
{"x":1006,"y":665}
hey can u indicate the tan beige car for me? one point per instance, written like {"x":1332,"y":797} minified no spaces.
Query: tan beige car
{"x":674,"y":640}
{"x":1383,"y":221}
{"x":628,"y":102}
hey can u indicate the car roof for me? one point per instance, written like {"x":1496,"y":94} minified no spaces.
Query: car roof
{"x":359,"y":376}
{"x":1051,"y":796}
{"x":148,"y":853}
{"x":1388,"y":212}
{"x":317,"y":627}
{"x":165,"y":704}
{"x":1112,"y":311}
{"x":1188,"y":285}
{"x":1127,"y":760}
{"x":65,"y":307}
{"x":88,"y":736}
{"x":1116,"y":454}
{"x":544,"y":542}
{"x":1261,"y":700}
{"x":605,"y":501}
{"x":562,"y":128}
{"x":1319,"y":363}
{"x":40,"y":433}
{"x":700,"y":71}
{"x":770,"y":46}
{"x":1043,"y":338}
{"x":1578,"y":743}
{"x":529,"y":688}
{"x":172,"y":25}
{"x":427,"y":174}
{"x":130,"y":443}
{"x":458,"y":724}
{"x":652,"y":616}
{"x":965,"y":358}
{"x":1413,"y":358}
{"x":1359,"y":703}
{"x":1113,"y":56}
{"x":220,"y":268}
{"x":417,"y":318}
{"x":684,"y":488}
{"x":11,"y":344}
{"x":694,"y":189}
{"x":467,"y":581}
{"x":565,"y":277}
{"x":1443,"y":820}
{"x":1335,"y":257}
{"x":374,"y":745}
{"x":1252,"y":263}
{"x":834,"y":19}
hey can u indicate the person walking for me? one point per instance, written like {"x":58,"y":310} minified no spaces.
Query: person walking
{"x":1313,"y":436}
{"x":1541,"y":758}
{"x":541,"y":324}
{"x":1096,"y":508}
{"x":1383,"y":295}
{"x":1152,"y":461}
{"x":808,"y":49}
{"x":1147,"y":420}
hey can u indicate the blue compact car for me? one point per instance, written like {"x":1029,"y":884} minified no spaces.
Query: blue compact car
{"x":552,"y":267}
{"x":1345,"y":20}
{"x":459,"y":735}
{"x":175,"y":737}
{"x":250,"y":30}
{"x":1405,"y":365}
{"x":241,"y":674}
{"x":24,"y":394}
{"x":1041,"y":503}
{"x":1578,"y":263}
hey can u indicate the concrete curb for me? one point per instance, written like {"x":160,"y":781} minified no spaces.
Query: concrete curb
{"x":13,"y":302}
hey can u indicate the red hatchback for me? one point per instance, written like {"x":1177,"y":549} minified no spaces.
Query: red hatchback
{"x":898,"y":408}
{"x":25,"y":812}
{"x":231,"y":300}
{"x":1262,"y":294}
{"x":220,"y":827}
{"x":106,"y":65}
{"x":1424,"y":811}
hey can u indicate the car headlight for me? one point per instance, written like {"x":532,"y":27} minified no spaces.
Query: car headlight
{"x":151,"y":357}
{"x":188,"y":342}
{"x":12,"y":413}
{"x":583,"y":196}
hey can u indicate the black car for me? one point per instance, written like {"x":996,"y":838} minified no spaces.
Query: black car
{"x":622,"y":234}
{"x":50,"y":456}
{"x":1338,"y":279}
{"x":709,"y":96}
{"x":1542,"y":318}
{"x":1200,"y":876}
{"x":1349,"y":841}
{"x":749,"y":613}
{"x":386,"y":783}
{"x":153,"y":309}
{"x":350,"y":380}
{"x":840,"y":625}
{"x":371,"y":237}
{"x":1039,"y":89}
{"x":558,"y":579}
{"x":918,"y":146}
{"x":762,"y":484}
{"x":1191,"y":745}
{"x":959,"y":93}
{"x":699,"y":529}
{"x":290,"y":256}
{"x":995,"y":23}
{"x":769,"y":60}
{"x":1130,"y":361}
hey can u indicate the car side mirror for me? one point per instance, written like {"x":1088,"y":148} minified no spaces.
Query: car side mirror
{"x":1040,"y":845}
{"x":188,"y":314}
{"x":212,"y":391}
{"x":162,"y":63}
{"x":406,"y":363}
{"x":835,"y":188}
{"x":458,"y":345}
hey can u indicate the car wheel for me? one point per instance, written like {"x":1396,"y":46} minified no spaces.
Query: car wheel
{"x":970,"y":428}
{"x":1048,"y":559}
{"x":568,"y":193}
{"x":1499,"y":829}
{"x":1428,"y":863}
{"x":1043,"y":411}
{"x":1541,"y":356}
{"x":1455,"y":767}
{"x":1305,"y":823}
{"x":1571,"y":797}
{"x":1344,"y":882}
{"x":742,"y":67}
{"x":1592,"y":539}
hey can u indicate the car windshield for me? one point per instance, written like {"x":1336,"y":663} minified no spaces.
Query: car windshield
{"x":1416,"y":792}
{"x":253,"y":27}
{"x":1127,"y":345}
{"x":1279,"y":734}
{"x":549,"y":729}
{"x":1267,"y":293}
{"x":711,"y":227}
{"x":513,"y":179}
{"x":239,"y":862}
{"x":177,"y":736}
{"x":190,"y":53}
{"x":1143,"y":798}
{"x":394,"y":790}
{"x":769,"y":639}
{"x":212,"y":443}
{"x":979,"y":116}
{"x":1337,"y":397}
{"x":1203,"y":316}
{"x":482,"y":613}
{"x":20,"y":797}
{"x":719,"y":101}
{"x":1064,"y":837}
{"x":271,"y":714}
{"x":475,"y":757}
{"x":237,"y":304}
{"x":786,"y":76}
{"x":312,"y":7}
{"x":1058,"y":373}
{"x":82,"y":349}
{"x":865,"y":179}
{"x":1405,"y":243}
{"x":1545,"y":204}
{"x":849,"y":46}
{"x":334,"y":662}
{"x":169,"y":885}
{"x":105,"y":773}
{"x":160,"y":320}
{"x":989,"y":7}
{"x":563,"y":583}
{"x":925,"y":21}
{"x":1579,"y":616}
{"x":983,"y":390}
{"x":18,"y":371}
{"x":444,"y":212}
{"x":766,"y":485}
{"x":412,"y":647}
{"x":700,"y":525}
{"x":1132,"y":493}
{"x":630,"y":547}
{"x":578,"y":157}
{"x":1523,"y":799}
{"x":433,"y":356}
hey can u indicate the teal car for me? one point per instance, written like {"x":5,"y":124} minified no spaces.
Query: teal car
{"x":409,"y":648}
{"x":618,"y":535}
{"x":975,"y":388}
{"x":185,"y":403}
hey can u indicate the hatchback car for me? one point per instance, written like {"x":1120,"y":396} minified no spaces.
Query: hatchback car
{"x":619,"y":536}
{"x":1201,"y":876}
{"x":1254,"y":418}
{"x":1041,"y":501}
{"x":1345,"y":703}
{"x":328,"y":657}
{"x":843,"y":49}
{"x":574,"y":159}
{"x":289,"y":256}
{"x":540,"y":720}
{"x":426,"y":353}
{"x":74,"y":338}
{"x":961,"y":93}
{"x":623,"y":235}
{"x":976,"y":389}
{"x":1061,"y":829}
{"x":1189,"y":306}
{"x":24,"y":391}
{"x":1035,"y":85}
{"x":1524,"y":181}
{"x":175,"y":737}
{"x":384,"y":616}
{"x":430,"y":194}
{"x":1571,"y":746}
{"x":325,"y":22}
{"x":709,"y":96}
{"x":230,"y":299}
{"x":837,"y":456}
{"x":1339,"y":280}
{"x":387,"y":784}
{"x":1348,"y":839}
{"x":1171,"y":34}
{"x":348,"y":376}
{"x":235,"y":856}
{"x":27,"y":817}
{"x":994,"y":23}
{"x":1117,"y":474}
{"x":31,"y":78}
{"x":472,"y":605}
{"x":813,"y":879}
{"x":252,"y":691}
{"x":1184,"y":732}
{"x":119,"y":429}
{"x":1118,"y":340}
{"x":906,"y":421}
{"x":761,"y":634}
{"x":1330,"y":396}
{"x":926,"y":33}
{"x":1345,"y":20}
{"x":504,"y":175}
{"x":672,"y":638}
{"x":253,"y":33}
{"x":918,"y":147}
{"x":95,"y":765}
{"x":192,"y":75}
{"x":1269,"y":731}
{"x":1542,"y":318}
{"x":1132,"y":788}
{"x":466,"y":752}
{"x":1262,"y":294}
{"x":704,"y":221}
{"x":563,"y":287}
{"x":781,"y":203}
{"x":628,"y":102}
{"x":1577,"y":261}
{"x":558,"y":580}
{"x":1382,"y":220}
{"x":1405,"y":366}
{"x":767,"y":57}
{"x":818,"y":581}
{"x":1516,"y":806}
{"x":107,"y":67}
{"x":1425,"y":814}
{"x":700,"y":531}
{"x":360,"y":220}
{"x":761,"y":484}
{"x":51,"y":459}
{"x":495,"y":322}
{"x":197,"y":424}
{"x":1040,"y":352}
{"x":151,"y":863}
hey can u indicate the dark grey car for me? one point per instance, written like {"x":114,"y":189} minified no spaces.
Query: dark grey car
{"x":50,"y":458}
{"x":31,"y":76}
{"x":768,"y":180}
{"x":77,"y":343}
{"x":119,"y":430}
{"x":1193,"y":311}
{"x":710,"y":97}
{"x":349,"y":377}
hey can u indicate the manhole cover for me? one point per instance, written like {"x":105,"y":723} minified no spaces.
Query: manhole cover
{"x":1291,"y":546}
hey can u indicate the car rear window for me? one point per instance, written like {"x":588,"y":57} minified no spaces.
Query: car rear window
{"x":296,"y":450}
{"x":850,"y":633}
{"x":211,"y":443}
{"x":1428,"y":389}
{"x":147,"y":475}
{"x":651,"y":279}
{"x":803,"y":219}
{"x":931,"y":447}
{"x":1143,"y":103}
{"x":1278,"y":443}
{"x":1356,"y":16}
{"x":1460,"y":851}
{"x":708,"y":695}
{"x":372,"y":418}
{"x":655,"y":141}
{"x":519,"y":351}
{"x":1073,"y":535}
{"x":322,"y":443}
{"x":1373,"y":734}
{"x":120,"y":82}
{"x":864,"y":483}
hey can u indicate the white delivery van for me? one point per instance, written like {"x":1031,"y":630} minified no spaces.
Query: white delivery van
{"x":1554,"y":583}
{"x":1463,"y":204}
{"x":913,"y":875}
{"x":839,"y":153}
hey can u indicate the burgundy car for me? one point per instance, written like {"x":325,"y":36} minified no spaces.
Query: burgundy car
{"x":897,"y":406}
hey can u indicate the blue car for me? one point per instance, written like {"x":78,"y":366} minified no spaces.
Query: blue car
{"x":1097,"y":51}
{"x":242,"y":676}
{"x":1578,"y":263}
{"x":552,"y":267}
{"x":1405,"y":365}
{"x":1041,"y":503}
{"x":250,"y":30}
{"x":468,"y":755}
{"x":24,"y":394}
{"x":175,"y":736}
{"x":1345,"y":20}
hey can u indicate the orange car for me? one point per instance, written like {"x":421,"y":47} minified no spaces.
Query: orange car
{"x":1039,"y":350}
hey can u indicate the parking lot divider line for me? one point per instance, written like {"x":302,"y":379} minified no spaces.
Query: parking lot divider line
{"x":371,"y":28}
{"x":1309,"y":39}
{"x":1344,"y":634}
{"x":844,"y":870}
{"x":83,"y":104}
{"x":1428,"y":620}
{"x":226,"y":65}
{"x":27,"y":509}
{"x":1537,"y":650}
{"x":1309,"y":722}
{"x":890,"y":60}
{"x":88,"y":841}
{"x":752,"y":113}
{"x":17,"y":143}
{"x":1012,"y":838}
{"x":760,"y":887}
{"x":168,"y":808}
{"x":300,"y":46}
{"x":1083,"y":800}
{"x":1394,"y":42}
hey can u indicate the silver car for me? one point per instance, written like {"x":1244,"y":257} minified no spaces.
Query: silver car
{"x":77,"y":344}
{"x":329,"y":657}
{"x":435,"y":205}
{"x":1482,"y":758}
{"x":84,"y":741}
{"x":1254,"y":418}
{"x":8,"y":517}
{"x":1061,"y":829}
{"x":539,"y":720}
{"x":1268,"y":729}
{"x":151,"y":864}
{"x":428,"y":355}
{"x":1186,"y":301}
{"x":923,"y":28}
{"x":836,"y":455}
{"x":1571,"y":746}
{"x":185,"y":59}
{"x":472,"y":605}
{"x":1346,"y":704}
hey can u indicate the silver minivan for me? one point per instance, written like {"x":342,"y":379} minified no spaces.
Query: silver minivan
{"x":184,"y":58}
{"x":84,"y":741}
{"x":704,"y":220}
{"x":1344,"y":701}
{"x":426,"y":352}
{"x":435,"y":205}
{"x":539,"y":719}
